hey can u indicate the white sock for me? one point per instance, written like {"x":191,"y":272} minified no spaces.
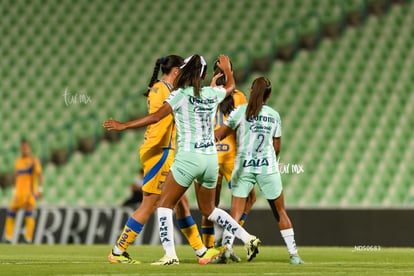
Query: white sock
{"x":218,"y":234}
{"x":227,"y":222}
{"x":228,"y":239}
{"x":289,"y":238}
{"x":116,"y":250}
{"x":200,"y":252}
{"x":165,"y":224}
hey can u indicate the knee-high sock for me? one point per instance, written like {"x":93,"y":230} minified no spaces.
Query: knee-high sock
{"x":228,"y":239}
{"x":223,"y":219}
{"x":165,"y":221}
{"x":218,"y":235}
{"x":289,"y":237}
{"x":29,"y":222}
{"x":208,"y":234}
{"x":131,"y":231}
{"x":190,"y":230}
{"x":9,"y":225}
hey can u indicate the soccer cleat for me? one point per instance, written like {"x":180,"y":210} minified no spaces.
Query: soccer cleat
{"x":234,"y":257}
{"x":211,"y":255}
{"x":228,"y":256}
{"x":167,"y":260}
{"x":124,"y":258}
{"x":252,"y":247}
{"x":295,"y":260}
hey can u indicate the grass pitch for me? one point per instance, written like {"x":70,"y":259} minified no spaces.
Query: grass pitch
{"x":91,"y":260}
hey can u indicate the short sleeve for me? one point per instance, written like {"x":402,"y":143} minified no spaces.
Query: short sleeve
{"x":231,"y":121}
{"x":175,"y":98}
{"x":37,"y":166}
{"x":278,"y":132}
{"x":221,"y":93}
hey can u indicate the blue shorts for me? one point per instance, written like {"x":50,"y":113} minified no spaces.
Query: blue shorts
{"x":189,"y":166}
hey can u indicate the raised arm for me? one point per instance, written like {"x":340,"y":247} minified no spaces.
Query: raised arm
{"x":224,"y":64}
{"x":149,"y":119}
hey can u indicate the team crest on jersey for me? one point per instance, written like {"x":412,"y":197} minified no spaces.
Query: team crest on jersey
{"x":255,"y":163}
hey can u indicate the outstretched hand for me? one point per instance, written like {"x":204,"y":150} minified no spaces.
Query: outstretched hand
{"x":112,"y":124}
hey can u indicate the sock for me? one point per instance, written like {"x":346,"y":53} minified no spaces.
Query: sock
{"x":227,"y":222}
{"x":208,"y":235}
{"x":190,"y":230}
{"x":228,"y":239}
{"x":243,"y":219}
{"x":218,"y":236}
{"x":29,"y":225}
{"x":165,"y":223}
{"x":131,"y":230}
{"x":289,"y":238}
{"x":9,"y":225}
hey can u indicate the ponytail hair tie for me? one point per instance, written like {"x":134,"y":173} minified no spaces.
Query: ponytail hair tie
{"x":163,"y":60}
{"x":202,"y":61}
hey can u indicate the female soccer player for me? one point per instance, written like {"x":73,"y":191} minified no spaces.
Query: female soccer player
{"x":157,"y":155}
{"x":226,"y":152}
{"x":27,"y":188}
{"x":258,"y":131}
{"x":194,"y":108}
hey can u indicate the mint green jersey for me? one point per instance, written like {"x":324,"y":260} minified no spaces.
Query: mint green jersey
{"x":255,"y":152}
{"x":194,"y":118}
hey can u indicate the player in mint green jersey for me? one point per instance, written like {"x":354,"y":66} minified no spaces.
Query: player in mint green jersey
{"x":194,"y":108}
{"x":258,"y":131}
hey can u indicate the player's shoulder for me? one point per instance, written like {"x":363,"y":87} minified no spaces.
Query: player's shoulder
{"x":272,"y":111}
{"x":238,"y":93}
{"x":240,"y":109}
{"x":239,"y":97}
{"x":158,"y":86}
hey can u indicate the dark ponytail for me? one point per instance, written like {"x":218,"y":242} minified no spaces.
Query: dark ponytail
{"x":261,"y":88}
{"x":192,"y":74}
{"x":166,"y":64}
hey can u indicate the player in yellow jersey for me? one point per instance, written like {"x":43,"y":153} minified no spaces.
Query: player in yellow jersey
{"x":157,"y":156}
{"x":226,"y":152}
{"x":28,"y":187}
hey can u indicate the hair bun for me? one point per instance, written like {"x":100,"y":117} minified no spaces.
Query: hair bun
{"x":163,"y":60}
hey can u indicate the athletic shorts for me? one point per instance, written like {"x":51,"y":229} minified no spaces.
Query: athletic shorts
{"x":189,"y":166}
{"x":23,"y":200}
{"x":269,"y":184}
{"x":156,"y":164}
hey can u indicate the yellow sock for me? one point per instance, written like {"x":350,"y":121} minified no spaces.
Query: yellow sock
{"x":9,"y":226}
{"x":208,"y":236}
{"x":190,"y":231}
{"x":243,"y":219}
{"x":131,"y":230}
{"x":126,"y":238}
{"x":30,"y":225}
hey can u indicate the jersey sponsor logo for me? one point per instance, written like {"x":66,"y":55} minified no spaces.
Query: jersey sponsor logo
{"x":202,"y":109}
{"x":261,"y":118}
{"x":255,"y":163}
{"x":201,"y":101}
{"x":200,"y":145}
{"x":260,"y":128}
{"x":222,"y":147}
